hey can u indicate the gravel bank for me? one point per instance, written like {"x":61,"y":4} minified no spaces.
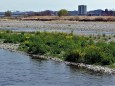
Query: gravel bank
{"x":61,"y":25}
{"x":94,"y":68}
{"x":8,"y":46}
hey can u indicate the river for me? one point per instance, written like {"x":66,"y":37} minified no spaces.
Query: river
{"x":78,"y":32}
{"x":20,"y":70}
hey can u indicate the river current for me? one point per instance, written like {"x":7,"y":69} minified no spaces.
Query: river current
{"x":20,"y":70}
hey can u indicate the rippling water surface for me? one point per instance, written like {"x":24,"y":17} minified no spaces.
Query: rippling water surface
{"x":19,"y":70}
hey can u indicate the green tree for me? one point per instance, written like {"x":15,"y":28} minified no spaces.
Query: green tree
{"x":8,"y":13}
{"x":62,"y":12}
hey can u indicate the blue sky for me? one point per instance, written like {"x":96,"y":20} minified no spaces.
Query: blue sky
{"x":39,"y":5}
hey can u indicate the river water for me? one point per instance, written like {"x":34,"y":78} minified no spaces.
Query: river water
{"x":79,"y":32}
{"x":20,"y":70}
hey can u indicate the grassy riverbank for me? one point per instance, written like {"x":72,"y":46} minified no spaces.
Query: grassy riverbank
{"x":89,"y":50}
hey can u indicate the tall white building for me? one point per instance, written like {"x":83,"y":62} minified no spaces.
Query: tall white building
{"x":82,"y":10}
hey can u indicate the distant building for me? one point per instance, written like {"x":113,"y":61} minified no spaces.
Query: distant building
{"x":18,"y":14}
{"x":46,"y":13}
{"x":97,"y":12}
{"x":108,"y":13}
{"x":100,"y":12}
{"x":73,"y":13}
{"x":2,"y":14}
{"x":82,"y":10}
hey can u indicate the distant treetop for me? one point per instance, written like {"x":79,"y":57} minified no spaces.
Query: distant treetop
{"x":8,"y":13}
{"x":62,"y":12}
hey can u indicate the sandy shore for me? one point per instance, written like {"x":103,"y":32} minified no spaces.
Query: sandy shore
{"x":61,"y":25}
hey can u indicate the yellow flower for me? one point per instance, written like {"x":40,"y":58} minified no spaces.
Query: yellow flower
{"x":27,"y":37}
{"x":69,"y":37}
{"x":26,"y":42}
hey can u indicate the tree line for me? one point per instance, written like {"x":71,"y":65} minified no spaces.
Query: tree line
{"x":62,"y":12}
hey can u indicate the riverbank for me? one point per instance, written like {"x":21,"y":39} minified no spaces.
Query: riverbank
{"x":60,"y":25}
{"x":94,"y":68}
{"x":9,"y":46}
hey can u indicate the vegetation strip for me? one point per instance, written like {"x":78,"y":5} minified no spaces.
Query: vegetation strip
{"x":68,"y":47}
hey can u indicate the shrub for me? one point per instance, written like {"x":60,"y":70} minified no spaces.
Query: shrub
{"x":107,"y":59}
{"x":75,"y":56}
{"x":8,"y":13}
{"x":35,"y":48}
{"x":92,"y":55}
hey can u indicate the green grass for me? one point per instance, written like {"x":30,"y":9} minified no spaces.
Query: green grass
{"x":69,"y":47}
{"x":111,"y":66}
